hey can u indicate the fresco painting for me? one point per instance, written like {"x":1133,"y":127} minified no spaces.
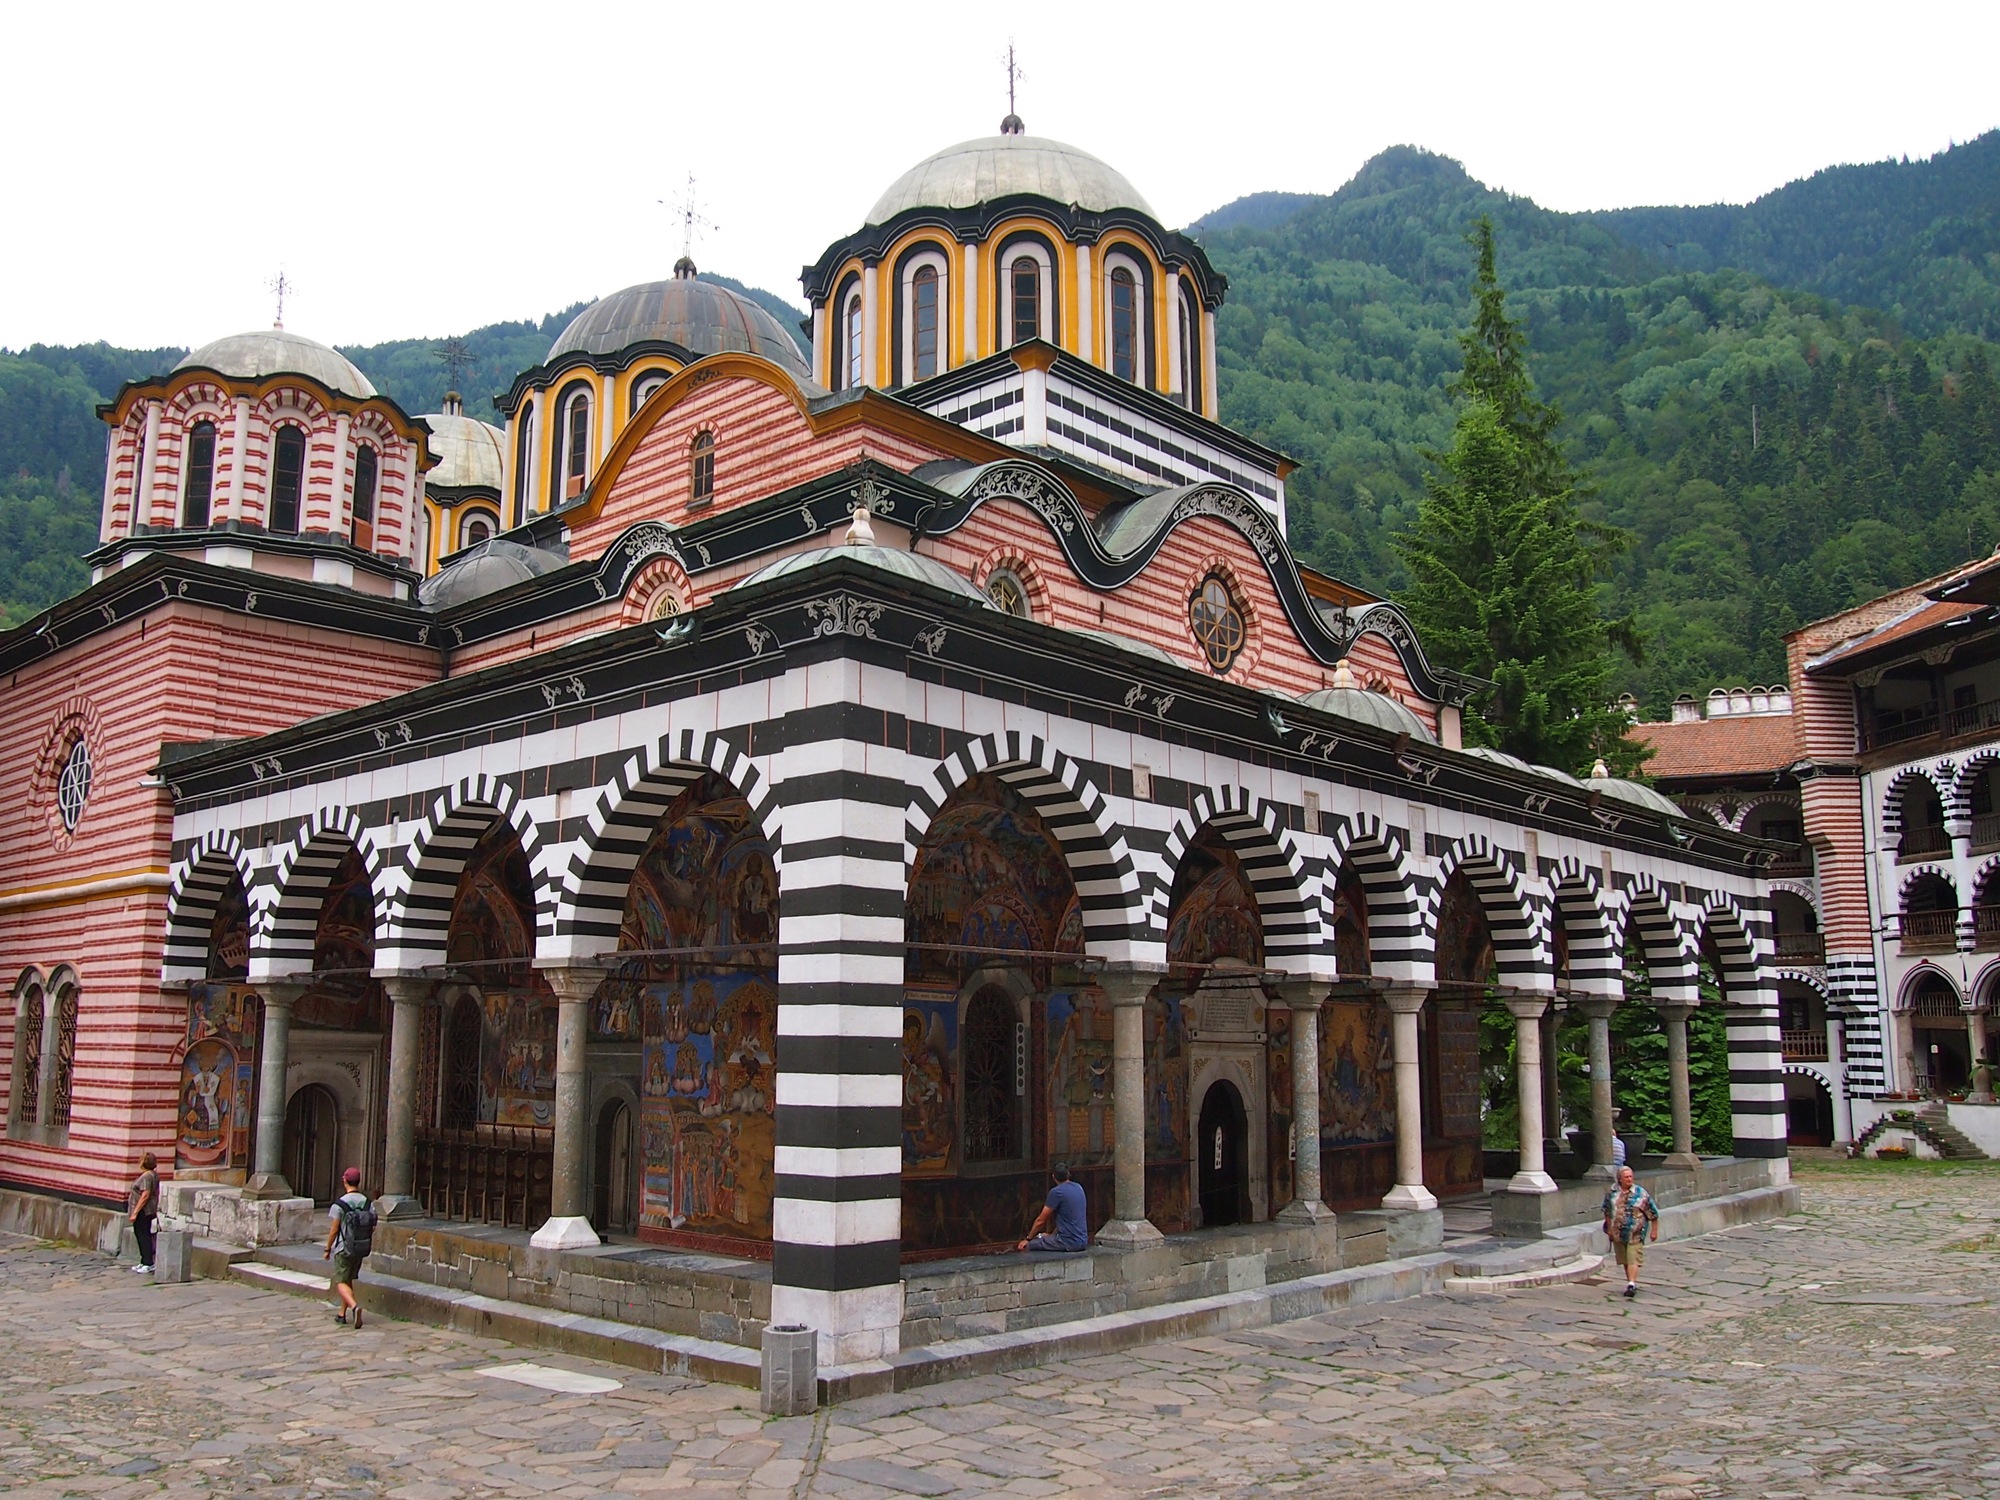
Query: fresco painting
{"x":930,"y":1081}
{"x":491,"y":937}
{"x":1079,"y":1078}
{"x":344,"y":995}
{"x":217,"y":1105}
{"x":1357,"y":1094}
{"x":229,"y":934}
{"x":1166,"y":1078}
{"x":1464,"y":941}
{"x":697,"y":989}
{"x":1280,"y":1151}
{"x":1214,"y":912}
{"x":1350,"y":926}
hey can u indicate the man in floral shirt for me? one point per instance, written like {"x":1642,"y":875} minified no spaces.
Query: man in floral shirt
{"x":1630,"y":1219}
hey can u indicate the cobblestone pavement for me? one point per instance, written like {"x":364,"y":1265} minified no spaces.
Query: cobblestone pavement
{"x":1849,"y":1351}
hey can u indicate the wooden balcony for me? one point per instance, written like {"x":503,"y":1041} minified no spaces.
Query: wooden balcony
{"x":1803,"y":1046}
{"x":1925,"y":841}
{"x":1986,"y":927}
{"x":1928,"y":931}
{"x":1799,"y":947}
{"x":1793,"y":862}
{"x":1985,"y":832}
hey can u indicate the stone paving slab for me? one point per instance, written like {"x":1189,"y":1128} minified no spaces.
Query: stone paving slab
{"x":1845,"y":1351}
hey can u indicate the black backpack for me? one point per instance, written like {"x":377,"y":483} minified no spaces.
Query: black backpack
{"x":357,"y":1229}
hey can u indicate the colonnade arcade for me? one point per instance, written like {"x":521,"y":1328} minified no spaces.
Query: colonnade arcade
{"x":1245,"y":1036}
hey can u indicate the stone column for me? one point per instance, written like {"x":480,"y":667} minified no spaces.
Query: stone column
{"x":267,"y":1177}
{"x":1675,"y":1018}
{"x":1405,"y":1008}
{"x":1836,"y":1067}
{"x":1552,"y":1115}
{"x":1981,"y":1090}
{"x":568,"y":1225}
{"x":407,"y":994}
{"x":1304,"y":996}
{"x":1126,"y":986}
{"x":1533,"y":1176}
{"x":1599,"y":1009}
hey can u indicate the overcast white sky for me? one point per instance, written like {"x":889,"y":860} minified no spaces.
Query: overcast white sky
{"x":421,"y":169}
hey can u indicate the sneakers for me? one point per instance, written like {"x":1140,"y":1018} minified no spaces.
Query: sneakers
{"x":341,"y":1317}
{"x":142,"y":1269}
{"x":1631,"y":1289}
{"x":357,"y":1315}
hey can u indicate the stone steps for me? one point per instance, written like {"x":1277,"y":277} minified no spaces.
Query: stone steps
{"x":1952,"y":1143}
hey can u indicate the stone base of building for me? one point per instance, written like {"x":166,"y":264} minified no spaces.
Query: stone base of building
{"x":1527,"y":1216}
{"x":47,"y":1218}
{"x":215,"y":1211}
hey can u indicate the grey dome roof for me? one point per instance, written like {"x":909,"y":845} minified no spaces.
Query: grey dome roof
{"x":1514,"y":762}
{"x":1636,"y":794}
{"x":911,"y":565}
{"x":275,"y":351}
{"x":1364,"y":707}
{"x":486,"y":568}
{"x":701,"y":316}
{"x":998,"y":166}
{"x":468,"y":452}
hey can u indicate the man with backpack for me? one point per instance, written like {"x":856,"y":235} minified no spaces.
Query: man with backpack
{"x":349,"y":1238}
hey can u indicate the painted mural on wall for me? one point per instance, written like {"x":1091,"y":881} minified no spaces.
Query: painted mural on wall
{"x":1080,"y":1127}
{"x":1280,"y":1149}
{"x":1350,"y":927}
{"x":492,"y":938}
{"x":1464,"y":940}
{"x":1212,"y":913}
{"x":1357,"y":1097}
{"x":698,"y":990}
{"x":218,"y":1078}
{"x":344,"y":995}
{"x":930,"y":1081}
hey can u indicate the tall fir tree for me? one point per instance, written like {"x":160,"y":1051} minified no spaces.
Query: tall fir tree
{"x":1504,"y":572}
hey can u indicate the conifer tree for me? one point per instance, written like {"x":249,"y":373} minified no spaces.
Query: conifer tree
{"x":1504,"y":571}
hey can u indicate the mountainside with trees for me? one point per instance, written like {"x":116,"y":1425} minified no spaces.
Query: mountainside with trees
{"x":1788,"y":405}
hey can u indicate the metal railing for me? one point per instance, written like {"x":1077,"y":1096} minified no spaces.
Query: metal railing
{"x":1928,"y":931}
{"x":1803,"y":1046}
{"x":1973,"y":718}
{"x":1800,"y":947}
{"x":1895,"y":726}
{"x":490,"y":1174}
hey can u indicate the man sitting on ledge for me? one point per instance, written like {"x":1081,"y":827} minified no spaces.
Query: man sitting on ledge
{"x":1063,"y":1223}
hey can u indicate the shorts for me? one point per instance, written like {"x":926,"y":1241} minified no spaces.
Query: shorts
{"x":1630,"y":1254}
{"x":346,"y":1269}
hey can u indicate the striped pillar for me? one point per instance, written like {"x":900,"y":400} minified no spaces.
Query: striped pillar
{"x":1756,"y":1069}
{"x":836,"y":1224}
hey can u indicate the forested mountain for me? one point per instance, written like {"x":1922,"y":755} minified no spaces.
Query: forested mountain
{"x":1790,"y":404}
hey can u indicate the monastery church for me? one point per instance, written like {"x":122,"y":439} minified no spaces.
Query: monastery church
{"x":785,"y":788}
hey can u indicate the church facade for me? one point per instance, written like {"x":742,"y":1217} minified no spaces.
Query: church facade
{"x":777,"y":801}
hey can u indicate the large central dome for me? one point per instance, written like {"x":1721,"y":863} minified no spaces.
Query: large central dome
{"x":999,"y":166}
{"x":701,"y":316}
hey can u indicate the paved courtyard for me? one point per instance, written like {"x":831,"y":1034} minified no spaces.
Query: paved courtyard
{"x":1850,"y":1351}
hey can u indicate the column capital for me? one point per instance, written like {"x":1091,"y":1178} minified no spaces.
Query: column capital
{"x":1675,"y":1010}
{"x":1527,"y":1005}
{"x":1303,"y":991}
{"x":407,"y":988}
{"x":575,"y":979}
{"x":1406,"y":999}
{"x":1129,"y":983}
{"x":1596,"y":1007}
{"x":283,"y":990}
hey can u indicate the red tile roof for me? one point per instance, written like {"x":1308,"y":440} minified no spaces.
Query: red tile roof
{"x":1733,"y":745}
{"x":1926,"y":616}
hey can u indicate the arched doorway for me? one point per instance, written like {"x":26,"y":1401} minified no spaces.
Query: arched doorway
{"x":312,"y":1144}
{"x":1808,"y":1111}
{"x":617,"y":1176}
{"x":462,"y":1038}
{"x":1222,"y":1147}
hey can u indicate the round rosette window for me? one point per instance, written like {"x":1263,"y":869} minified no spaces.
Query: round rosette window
{"x":1007,"y":591}
{"x":1217,"y":623}
{"x":73,"y":784}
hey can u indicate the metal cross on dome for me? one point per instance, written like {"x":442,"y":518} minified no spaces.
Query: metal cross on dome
{"x":1012,"y":124}
{"x":456,"y":356}
{"x":280,"y":284}
{"x":693,"y":221}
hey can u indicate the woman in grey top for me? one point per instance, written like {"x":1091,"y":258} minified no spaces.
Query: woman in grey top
{"x":145,"y":1208}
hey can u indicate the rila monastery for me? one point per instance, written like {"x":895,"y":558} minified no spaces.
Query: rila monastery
{"x":706,"y":847}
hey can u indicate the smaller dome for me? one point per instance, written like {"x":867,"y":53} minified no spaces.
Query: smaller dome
{"x":703,"y":317}
{"x":486,"y":568}
{"x":1636,"y":794}
{"x":1515,"y":763}
{"x":911,"y":565}
{"x":999,"y":166}
{"x":1363,"y":707}
{"x":1126,"y":643}
{"x":274,"y":351}
{"x":468,"y":452}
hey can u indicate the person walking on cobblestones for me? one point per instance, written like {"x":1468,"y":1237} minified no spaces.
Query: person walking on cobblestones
{"x":349,"y":1238}
{"x":1630,"y":1219}
{"x":145,"y":1209}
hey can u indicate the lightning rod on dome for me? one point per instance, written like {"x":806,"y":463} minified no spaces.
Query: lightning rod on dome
{"x":693,"y":221}
{"x":1012,"y":124}
{"x":280,"y":285}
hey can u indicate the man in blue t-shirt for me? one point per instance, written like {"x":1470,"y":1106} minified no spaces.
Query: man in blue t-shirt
{"x":1064,"y":1222}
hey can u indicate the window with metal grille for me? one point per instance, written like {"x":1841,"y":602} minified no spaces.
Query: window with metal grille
{"x":992,"y":1128}
{"x":29,"y":1013}
{"x":73,"y":784}
{"x":1027,"y":278}
{"x":701,"y":469}
{"x":461,"y":1065}
{"x":1124,"y":325}
{"x":361,"y":529}
{"x":200,"y":475}
{"x":924,"y":323}
{"x":1005,"y":588}
{"x":1217,"y":623}
{"x":288,"y":479}
{"x":59,"y":1094}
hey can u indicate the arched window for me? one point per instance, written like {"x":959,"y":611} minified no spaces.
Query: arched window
{"x":701,"y":469}
{"x":288,"y":480}
{"x":73,"y":783}
{"x":851,"y":340}
{"x":63,"y":1079}
{"x":361,"y":529}
{"x":644,"y":386}
{"x":1217,"y":623}
{"x":200,"y":475}
{"x":476,"y":527}
{"x":1190,"y":352}
{"x":524,"y":462}
{"x":575,"y":455}
{"x":1125,"y":348}
{"x":461,"y":1065}
{"x":992,"y":1110}
{"x":25,"y":1097}
{"x":1008,"y":593}
{"x":1024,"y":289}
{"x":925,"y":287}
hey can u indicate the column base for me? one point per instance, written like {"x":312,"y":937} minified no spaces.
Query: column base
{"x":1600,"y":1171}
{"x":1406,"y":1197}
{"x":1531,"y":1182}
{"x":1309,"y":1211}
{"x":571,"y":1232}
{"x":398,"y":1206}
{"x":1129,"y":1234}
{"x":1682,"y":1161}
{"x":264,"y":1186}
{"x":1978,"y":1097}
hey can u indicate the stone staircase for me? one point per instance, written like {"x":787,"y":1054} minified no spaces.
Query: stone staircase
{"x":1934,"y":1124}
